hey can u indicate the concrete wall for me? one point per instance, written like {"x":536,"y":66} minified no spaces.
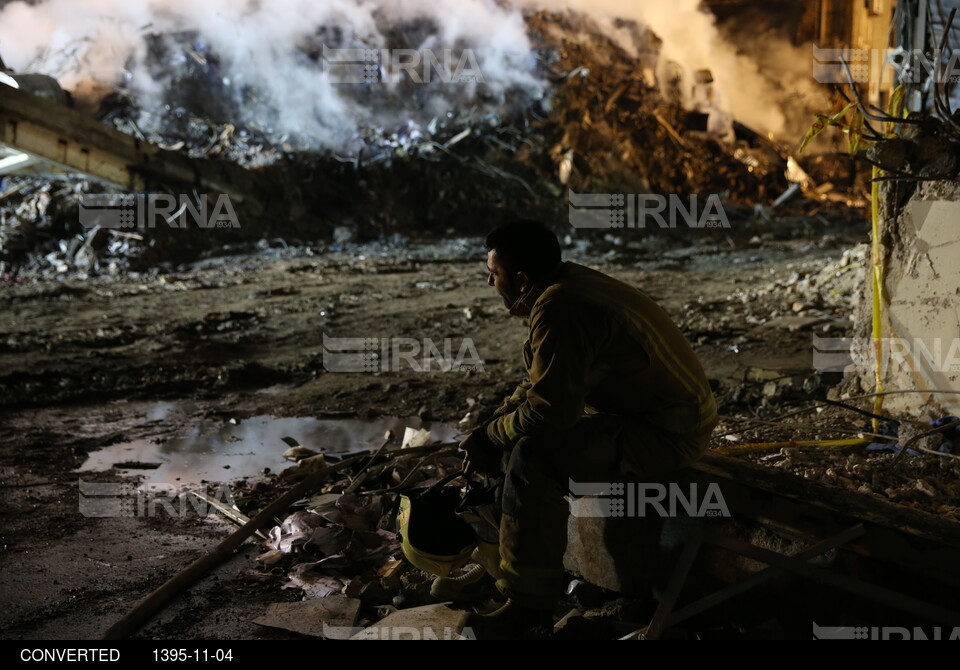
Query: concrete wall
{"x":921,"y":307}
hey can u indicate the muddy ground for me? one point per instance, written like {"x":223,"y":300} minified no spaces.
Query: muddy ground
{"x":85,"y":363}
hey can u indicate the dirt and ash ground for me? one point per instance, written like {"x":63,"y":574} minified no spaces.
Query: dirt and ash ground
{"x":87,"y":363}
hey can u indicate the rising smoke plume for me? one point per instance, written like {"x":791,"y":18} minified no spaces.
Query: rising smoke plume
{"x":260,"y":60}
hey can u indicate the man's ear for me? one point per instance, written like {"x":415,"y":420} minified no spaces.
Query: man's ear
{"x":523,"y":281}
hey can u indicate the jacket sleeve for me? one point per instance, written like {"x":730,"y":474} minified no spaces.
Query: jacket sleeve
{"x":514,"y":400}
{"x":563,"y":351}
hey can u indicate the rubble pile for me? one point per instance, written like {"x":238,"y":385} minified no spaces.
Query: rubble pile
{"x":787,"y":414}
{"x":40,"y":232}
{"x":813,"y":294}
{"x":817,"y":298}
{"x":604,"y":125}
{"x":618,"y":129}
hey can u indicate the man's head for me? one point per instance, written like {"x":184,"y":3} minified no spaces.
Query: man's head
{"x":518,"y":254}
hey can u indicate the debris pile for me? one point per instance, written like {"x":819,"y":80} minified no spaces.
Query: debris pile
{"x":605,"y":125}
{"x":920,"y":482}
{"x":816,"y":300}
{"x":616,"y":128}
{"x":342,"y":541}
{"x":340,"y":549}
{"x":40,"y":234}
{"x":824,"y":295}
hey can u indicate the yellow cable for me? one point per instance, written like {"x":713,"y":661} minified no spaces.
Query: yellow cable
{"x":877,"y":274}
{"x":896,"y":109}
{"x":750,"y":447}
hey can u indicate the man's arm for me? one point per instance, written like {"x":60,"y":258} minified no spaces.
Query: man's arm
{"x":514,"y":400}
{"x":563,"y":345}
{"x":481,"y":454}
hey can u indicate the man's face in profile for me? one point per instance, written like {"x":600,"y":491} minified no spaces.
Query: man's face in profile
{"x":508,"y":285}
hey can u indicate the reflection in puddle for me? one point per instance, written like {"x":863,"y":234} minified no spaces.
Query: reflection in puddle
{"x":217,"y":452}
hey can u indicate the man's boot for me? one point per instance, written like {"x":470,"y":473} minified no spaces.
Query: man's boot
{"x":477,"y":583}
{"x":472,"y":586}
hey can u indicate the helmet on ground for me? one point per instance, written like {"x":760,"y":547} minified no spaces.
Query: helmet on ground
{"x":432,"y":536}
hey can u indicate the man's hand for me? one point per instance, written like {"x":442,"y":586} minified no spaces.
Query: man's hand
{"x":481,"y":455}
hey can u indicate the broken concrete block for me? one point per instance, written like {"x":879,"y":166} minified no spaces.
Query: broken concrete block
{"x":414,"y":437}
{"x":615,"y":553}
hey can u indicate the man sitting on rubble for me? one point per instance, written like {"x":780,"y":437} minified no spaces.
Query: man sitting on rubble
{"x":613,"y":392}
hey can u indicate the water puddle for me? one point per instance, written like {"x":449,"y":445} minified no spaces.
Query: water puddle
{"x":220,"y":452}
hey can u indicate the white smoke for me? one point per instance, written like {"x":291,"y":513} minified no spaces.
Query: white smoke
{"x":753,"y":88}
{"x":91,"y":46}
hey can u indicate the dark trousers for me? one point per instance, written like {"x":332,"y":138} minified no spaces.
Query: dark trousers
{"x":538,"y":471}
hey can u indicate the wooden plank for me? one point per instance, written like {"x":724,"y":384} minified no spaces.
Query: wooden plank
{"x":874,"y":592}
{"x":916,"y":540}
{"x":72,"y":140}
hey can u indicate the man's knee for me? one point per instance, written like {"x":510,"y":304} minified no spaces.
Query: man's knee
{"x":531,"y":470}
{"x":531,"y":459}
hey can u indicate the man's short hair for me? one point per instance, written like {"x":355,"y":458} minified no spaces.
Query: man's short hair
{"x":525,"y":245}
